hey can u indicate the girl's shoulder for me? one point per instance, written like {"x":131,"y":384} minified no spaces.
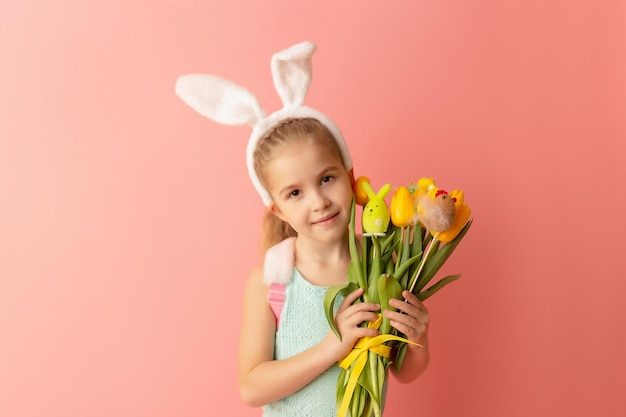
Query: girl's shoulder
{"x":255,"y":279}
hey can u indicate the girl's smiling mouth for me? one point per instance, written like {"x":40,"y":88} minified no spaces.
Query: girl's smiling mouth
{"x":326,"y":219}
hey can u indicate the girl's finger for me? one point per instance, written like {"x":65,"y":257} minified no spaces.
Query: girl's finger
{"x":414,"y":301}
{"x":363,"y":316}
{"x":350,"y":298}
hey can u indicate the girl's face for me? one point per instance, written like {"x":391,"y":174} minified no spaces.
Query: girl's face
{"x":311,"y":189}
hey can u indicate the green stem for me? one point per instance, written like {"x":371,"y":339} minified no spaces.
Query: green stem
{"x":354,"y":251}
{"x":403,"y":238}
{"x":364,"y":255}
{"x":406,"y":255}
{"x":373,"y":372}
{"x":375,"y":269}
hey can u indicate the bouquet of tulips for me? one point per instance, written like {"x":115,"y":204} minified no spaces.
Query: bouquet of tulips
{"x":402,"y":246}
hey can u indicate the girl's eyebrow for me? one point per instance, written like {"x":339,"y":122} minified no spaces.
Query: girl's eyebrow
{"x":288,"y":188}
{"x":329,"y":168}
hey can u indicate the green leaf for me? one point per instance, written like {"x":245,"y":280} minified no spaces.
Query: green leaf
{"x":372,"y":294}
{"x":353,"y":273}
{"x":389,"y":268}
{"x":383,"y":367}
{"x":365,"y":379}
{"x":389,"y":240}
{"x":405,"y":251}
{"x":422,"y":280}
{"x":342,"y":383}
{"x":355,"y":401}
{"x":407,"y":264}
{"x":417,"y":237}
{"x":362,"y":401}
{"x":416,"y":246}
{"x":387,"y":254}
{"x":417,"y":241}
{"x":400,"y":354}
{"x":369,"y":408}
{"x":388,"y":288}
{"x":437,"y":286}
{"x":426,"y":240}
{"x":436,"y":260}
{"x":329,"y":302}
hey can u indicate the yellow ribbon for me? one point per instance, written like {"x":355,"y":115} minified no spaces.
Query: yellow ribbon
{"x":358,"y":355}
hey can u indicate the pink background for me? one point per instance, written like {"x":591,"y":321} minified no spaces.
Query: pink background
{"x":128,"y":224}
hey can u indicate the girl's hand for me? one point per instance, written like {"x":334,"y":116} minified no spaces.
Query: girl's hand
{"x":412,"y":319}
{"x":348,"y":319}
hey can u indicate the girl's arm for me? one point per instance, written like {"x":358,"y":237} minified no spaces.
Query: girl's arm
{"x":412,"y":320}
{"x":263,"y":380}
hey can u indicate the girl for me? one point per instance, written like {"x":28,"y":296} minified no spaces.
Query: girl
{"x":294,"y":371}
{"x":299,"y":163}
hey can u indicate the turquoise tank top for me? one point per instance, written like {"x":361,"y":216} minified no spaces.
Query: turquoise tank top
{"x":303,"y":325}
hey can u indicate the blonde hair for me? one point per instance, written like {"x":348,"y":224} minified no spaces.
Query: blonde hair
{"x":274,"y":229}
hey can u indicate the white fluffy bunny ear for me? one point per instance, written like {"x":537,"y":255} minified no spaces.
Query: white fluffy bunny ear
{"x":291,"y":71}
{"x":219,"y":100}
{"x":228,"y":103}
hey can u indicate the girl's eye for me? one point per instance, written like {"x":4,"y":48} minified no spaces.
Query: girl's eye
{"x":294,"y":193}
{"x":327,"y":178}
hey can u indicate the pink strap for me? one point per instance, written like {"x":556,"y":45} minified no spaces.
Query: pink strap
{"x":276,"y":299}
{"x":278,"y":272}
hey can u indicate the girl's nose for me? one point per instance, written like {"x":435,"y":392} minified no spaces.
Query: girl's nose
{"x":319,"y":200}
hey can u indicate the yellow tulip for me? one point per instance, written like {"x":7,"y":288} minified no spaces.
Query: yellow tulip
{"x":460,"y":219}
{"x":360,"y":195}
{"x":424,"y":186}
{"x":402,"y":207}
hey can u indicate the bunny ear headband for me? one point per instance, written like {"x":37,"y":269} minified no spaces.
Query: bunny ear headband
{"x":228,"y":103}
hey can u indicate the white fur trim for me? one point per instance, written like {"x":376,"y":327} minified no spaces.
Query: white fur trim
{"x":279,"y":262}
{"x":228,"y":103}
